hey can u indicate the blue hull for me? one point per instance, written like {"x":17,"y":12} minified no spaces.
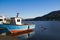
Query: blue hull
{"x":14,"y":27}
{"x":17,"y":27}
{"x":21,"y":27}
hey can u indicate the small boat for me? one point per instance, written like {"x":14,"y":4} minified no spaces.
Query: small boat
{"x":2,"y":20}
{"x":16,"y":25}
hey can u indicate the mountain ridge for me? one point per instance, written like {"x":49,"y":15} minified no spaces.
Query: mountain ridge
{"x":52,"y":16}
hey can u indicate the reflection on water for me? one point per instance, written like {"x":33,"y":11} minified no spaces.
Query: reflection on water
{"x":26,"y":36}
{"x":22,"y":37}
{"x":46,"y":30}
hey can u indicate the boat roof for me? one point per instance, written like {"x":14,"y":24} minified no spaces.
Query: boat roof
{"x":16,"y":17}
{"x":1,"y":17}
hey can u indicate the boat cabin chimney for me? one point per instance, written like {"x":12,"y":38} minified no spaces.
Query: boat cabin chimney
{"x":17,"y":14}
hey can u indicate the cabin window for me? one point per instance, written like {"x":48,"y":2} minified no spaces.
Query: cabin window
{"x":18,"y":20}
{"x":1,"y":19}
{"x":5,"y":19}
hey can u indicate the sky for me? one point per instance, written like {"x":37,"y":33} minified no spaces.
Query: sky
{"x":28,"y":8}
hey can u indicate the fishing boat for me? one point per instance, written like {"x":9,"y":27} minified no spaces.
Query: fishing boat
{"x":16,"y":25}
{"x":2,"y":20}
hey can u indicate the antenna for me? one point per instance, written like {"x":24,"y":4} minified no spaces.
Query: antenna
{"x":17,"y":13}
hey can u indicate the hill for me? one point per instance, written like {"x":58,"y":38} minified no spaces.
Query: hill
{"x":52,"y":16}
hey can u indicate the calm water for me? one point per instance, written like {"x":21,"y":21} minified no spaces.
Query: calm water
{"x":46,"y":30}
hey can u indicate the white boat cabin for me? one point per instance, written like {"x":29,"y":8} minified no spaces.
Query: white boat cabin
{"x":2,"y":19}
{"x":16,"y":21}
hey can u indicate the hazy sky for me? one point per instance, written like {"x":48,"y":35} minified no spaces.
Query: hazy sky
{"x":28,"y":8}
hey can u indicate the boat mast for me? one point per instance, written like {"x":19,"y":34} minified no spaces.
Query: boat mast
{"x":17,"y":14}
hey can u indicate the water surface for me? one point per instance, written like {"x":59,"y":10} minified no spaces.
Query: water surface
{"x":46,"y":30}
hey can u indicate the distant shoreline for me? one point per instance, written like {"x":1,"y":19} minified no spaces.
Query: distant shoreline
{"x":52,"y":16}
